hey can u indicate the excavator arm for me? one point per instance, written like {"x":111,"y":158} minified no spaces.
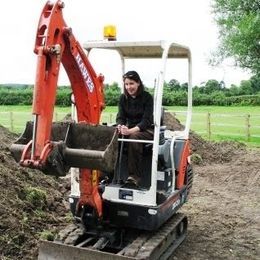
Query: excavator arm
{"x":56,"y":44}
{"x":55,"y":148}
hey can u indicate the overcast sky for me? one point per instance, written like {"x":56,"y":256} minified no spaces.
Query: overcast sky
{"x":186,"y":22}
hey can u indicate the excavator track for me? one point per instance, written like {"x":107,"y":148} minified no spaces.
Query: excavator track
{"x":158,"y":244}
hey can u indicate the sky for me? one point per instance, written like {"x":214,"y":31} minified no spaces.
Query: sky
{"x":185,"y":22}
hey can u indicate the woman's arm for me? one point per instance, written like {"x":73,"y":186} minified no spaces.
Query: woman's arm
{"x":121,"y":116}
{"x":147,"y":119}
{"x":124,"y":130}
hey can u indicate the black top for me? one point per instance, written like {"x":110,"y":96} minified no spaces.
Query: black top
{"x":136,"y":111}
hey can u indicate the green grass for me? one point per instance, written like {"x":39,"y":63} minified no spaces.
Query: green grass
{"x":113,"y":109}
{"x":29,"y":109}
{"x":253,"y":110}
{"x":222,"y":109}
{"x":227,"y":123}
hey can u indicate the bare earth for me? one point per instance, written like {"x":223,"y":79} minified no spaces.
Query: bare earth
{"x":223,"y":210}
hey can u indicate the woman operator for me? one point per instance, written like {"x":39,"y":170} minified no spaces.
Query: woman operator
{"x":135,"y":120}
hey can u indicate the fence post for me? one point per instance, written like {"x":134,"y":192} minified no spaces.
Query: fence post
{"x":56,"y":116}
{"x":208,"y":126}
{"x":248,"y":127}
{"x":11,"y":121}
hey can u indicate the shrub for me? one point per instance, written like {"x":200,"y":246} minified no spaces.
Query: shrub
{"x":48,"y":235}
{"x":36,"y":197}
{"x":24,"y":96}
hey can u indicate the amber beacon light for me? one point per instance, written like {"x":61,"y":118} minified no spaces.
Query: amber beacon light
{"x":110,"y":32}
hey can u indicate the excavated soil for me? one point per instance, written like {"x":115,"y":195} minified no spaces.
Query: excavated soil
{"x":223,"y":209}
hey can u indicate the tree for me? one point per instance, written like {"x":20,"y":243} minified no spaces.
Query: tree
{"x":211,"y":86}
{"x":233,"y":90}
{"x":239,"y":27}
{"x":184,"y":86}
{"x":174,"y":84}
{"x":255,"y":81}
{"x":246,"y":87}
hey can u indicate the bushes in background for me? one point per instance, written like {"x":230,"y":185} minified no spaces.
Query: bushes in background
{"x":17,"y":95}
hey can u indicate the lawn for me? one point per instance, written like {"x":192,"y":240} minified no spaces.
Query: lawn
{"x":212,"y":122}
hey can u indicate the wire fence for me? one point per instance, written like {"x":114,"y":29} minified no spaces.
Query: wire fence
{"x":212,"y":126}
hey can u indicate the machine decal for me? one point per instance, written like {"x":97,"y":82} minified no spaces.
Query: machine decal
{"x":176,"y":204}
{"x":85,"y":73}
{"x":126,"y":194}
{"x":122,"y":213}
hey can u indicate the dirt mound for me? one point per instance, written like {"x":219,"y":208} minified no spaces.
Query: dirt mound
{"x":31,"y":203}
{"x":205,"y":151}
{"x":6,"y":137}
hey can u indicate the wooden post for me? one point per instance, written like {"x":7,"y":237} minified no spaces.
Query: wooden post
{"x":11,"y":121}
{"x":208,"y":126}
{"x":56,"y":116}
{"x":248,"y":128}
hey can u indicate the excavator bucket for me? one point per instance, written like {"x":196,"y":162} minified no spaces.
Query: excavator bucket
{"x":92,"y":147}
{"x":75,"y":145}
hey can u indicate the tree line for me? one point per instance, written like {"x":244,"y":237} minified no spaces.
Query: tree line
{"x":211,"y":92}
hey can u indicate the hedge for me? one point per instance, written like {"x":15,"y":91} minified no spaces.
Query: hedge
{"x":17,"y":96}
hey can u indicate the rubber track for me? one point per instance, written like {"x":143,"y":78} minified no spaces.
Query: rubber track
{"x":159,"y":244}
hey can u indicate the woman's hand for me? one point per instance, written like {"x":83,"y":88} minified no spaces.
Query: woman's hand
{"x":119,"y":128}
{"x":124,"y":130}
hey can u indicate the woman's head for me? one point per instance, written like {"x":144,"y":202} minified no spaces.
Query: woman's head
{"x":133,"y":85}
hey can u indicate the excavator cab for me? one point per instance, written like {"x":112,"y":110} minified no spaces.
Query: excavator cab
{"x":166,"y":162}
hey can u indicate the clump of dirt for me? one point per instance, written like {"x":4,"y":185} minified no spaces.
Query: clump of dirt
{"x":6,"y":137}
{"x":31,"y":203}
{"x":223,"y":209}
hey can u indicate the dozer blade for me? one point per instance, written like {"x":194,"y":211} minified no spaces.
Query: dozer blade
{"x":74,"y":145}
{"x":156,"y":245}
{"x":57,"y":251}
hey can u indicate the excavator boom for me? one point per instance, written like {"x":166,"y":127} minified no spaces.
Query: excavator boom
{"x":56,"y":44}
{"x":54,"y":148}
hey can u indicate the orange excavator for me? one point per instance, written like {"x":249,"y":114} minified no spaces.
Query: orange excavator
{"x":110,"y":219}
{"x":56,"y":44}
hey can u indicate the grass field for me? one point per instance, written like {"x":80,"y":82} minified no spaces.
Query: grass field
{"x":212,"y":122}
{"x":254,"y":110}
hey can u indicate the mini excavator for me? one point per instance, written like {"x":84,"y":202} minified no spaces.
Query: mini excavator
{"x":111,"y":221}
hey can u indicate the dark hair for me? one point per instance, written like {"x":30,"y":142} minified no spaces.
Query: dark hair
{"x":133,"y":75}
